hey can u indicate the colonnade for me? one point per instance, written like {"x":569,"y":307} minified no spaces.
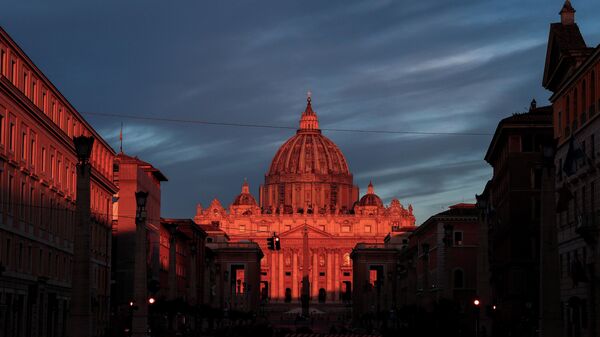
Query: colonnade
{"x":286,"y":270}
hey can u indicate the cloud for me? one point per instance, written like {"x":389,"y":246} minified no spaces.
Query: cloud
{"x":433,"y":65}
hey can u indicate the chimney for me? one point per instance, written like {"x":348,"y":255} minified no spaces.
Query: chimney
{"x":567,"y":14}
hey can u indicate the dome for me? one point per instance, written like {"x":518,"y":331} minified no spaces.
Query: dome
{"x":309,"y":151}
{"x":245,"y":198}
{"x":370,"y":199}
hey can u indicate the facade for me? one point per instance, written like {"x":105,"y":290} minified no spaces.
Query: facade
{"x":37,"y":202}
{"x":446,"y":264}
{"x":513,"y":202}
{"x":308,"y":184}
{"x":374,"y":277}
{"x":572,"y":75}
{"x":231,"y":273}
{"x":131,"y":175}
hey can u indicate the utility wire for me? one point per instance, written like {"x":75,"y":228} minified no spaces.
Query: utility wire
{"x":271,"y":126}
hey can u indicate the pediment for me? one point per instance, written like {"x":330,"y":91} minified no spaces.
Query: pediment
{"x":298,"y":232}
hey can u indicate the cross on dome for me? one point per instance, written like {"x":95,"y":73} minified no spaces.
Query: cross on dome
{"x":309,"y":119}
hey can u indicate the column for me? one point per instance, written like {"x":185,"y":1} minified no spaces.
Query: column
{"x":329,"y":276}
{"x":280,"y":285}
{"x":295,"y":295}
{"x":336,"y":274}
{"x":273,"y":280}
{"x":315,"y":283}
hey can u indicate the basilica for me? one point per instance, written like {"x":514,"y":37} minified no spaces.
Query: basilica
{"x":308,"y":186}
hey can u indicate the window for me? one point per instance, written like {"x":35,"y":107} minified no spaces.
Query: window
{"x":593,"y":93}
{"x":44,"y":102}
{"x":583,"y":98}
{"x":345,"y":228}
{"x":24,"y":145}
{"x":10,"y":193}
{"x":458,"y":238}
{"x":322,"y":227}
{"x":11,"y":137}
{"x":25,"y":86}
{"x":559,"y":122}
{"x":592,"y":146}
{"x":459,"y":279}
{"x":2,"y":62}
{"x":367,"y":228}
{"x":52,"y":166}
{"x":14,"y":71}
{"x":22,"y":202}
{"x":31,"y":203}
{"x":567,"y":111}
{"x":242,"y":228}
{"x":32,"y":151}
{"x":34,"y":92}
{"x":514,"y":143}
{"x":287,"y":227}
{"x":1,"y":129}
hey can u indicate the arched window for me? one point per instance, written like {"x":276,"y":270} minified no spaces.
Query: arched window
{"x":459,"y":279}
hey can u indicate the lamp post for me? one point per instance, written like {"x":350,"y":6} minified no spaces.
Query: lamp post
{"x":81,"y":314}
{"x":139,"y":324}
{"x":549,"y":296}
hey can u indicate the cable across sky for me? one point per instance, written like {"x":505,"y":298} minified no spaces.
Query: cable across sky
{"x":271,"y":126}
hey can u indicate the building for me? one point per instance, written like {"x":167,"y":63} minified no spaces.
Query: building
{"x":308,"y":184}
{"x":513,"y":202}
{"x":37,"y":202}
{"x":446,"y":264}
{"x":131,"y":175}
{"x":375,"y":271}
{"x":571,"y":74}
{"x":231,"y":273}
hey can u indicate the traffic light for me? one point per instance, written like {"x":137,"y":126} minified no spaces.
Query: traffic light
{"x":277,"y":243}
{"x":271,"y":243}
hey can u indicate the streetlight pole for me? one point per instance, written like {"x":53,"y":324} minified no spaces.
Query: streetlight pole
{"x":139,"y":323}
{"x":81,"y":302}
{"x":549,"y":295}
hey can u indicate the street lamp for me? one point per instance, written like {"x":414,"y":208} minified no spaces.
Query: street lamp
{"x":140,"y":317}
{"x":140,"y":198}
{"x":83,"y":147}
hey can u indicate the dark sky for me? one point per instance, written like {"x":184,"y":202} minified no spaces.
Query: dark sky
{"x":427,"y":65}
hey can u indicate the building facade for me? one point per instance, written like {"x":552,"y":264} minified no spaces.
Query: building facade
{"x":513,"y":202}
{"x":130,"y":175}
{"x":571,"y":74}
{"x":308,"y":184}
{"x":37,"y":202}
